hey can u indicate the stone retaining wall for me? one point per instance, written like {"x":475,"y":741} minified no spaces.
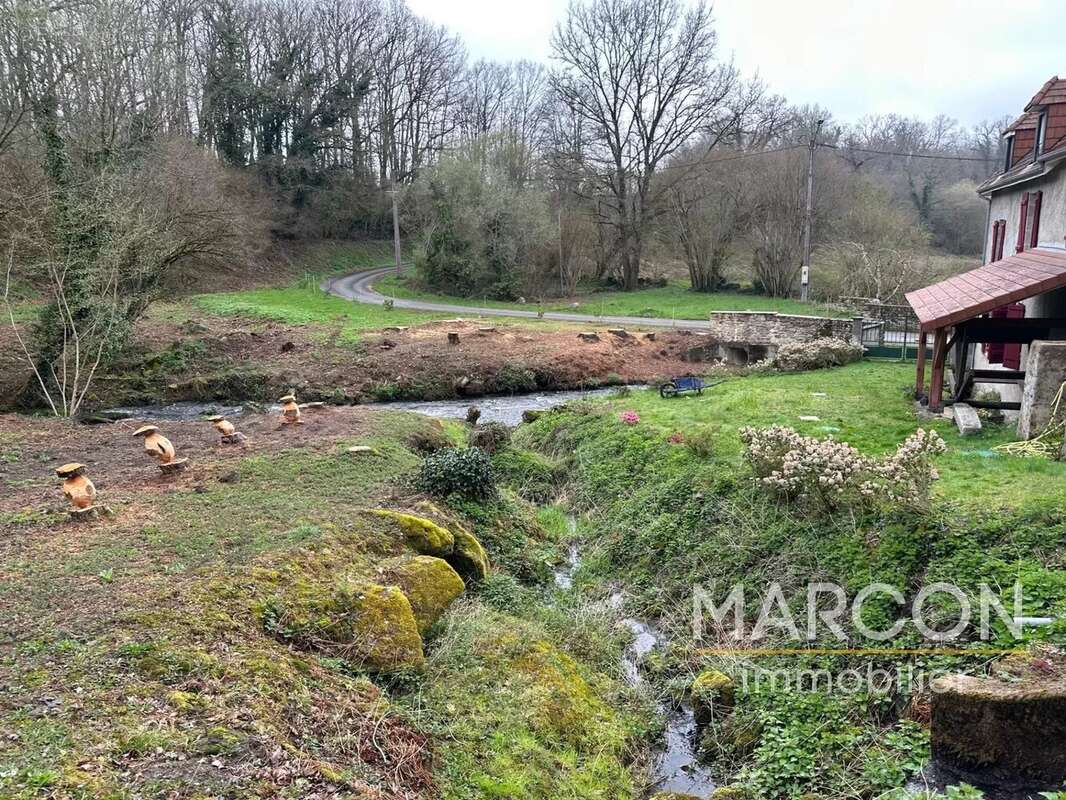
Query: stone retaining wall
{"x":770,"y":328}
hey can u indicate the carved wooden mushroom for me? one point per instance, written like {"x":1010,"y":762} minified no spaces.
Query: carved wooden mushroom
{"x":78,"y":489}
{"x":290,"y":410}
{"x":158,"y":446}
{"x":227,"y":433}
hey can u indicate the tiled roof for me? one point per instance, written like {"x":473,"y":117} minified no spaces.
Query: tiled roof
{"x":1054,"y":91}
{"x":965,"y":296}
{"x":1027,"y":121}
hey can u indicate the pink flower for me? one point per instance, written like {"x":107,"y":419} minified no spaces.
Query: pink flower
{"x":629,"y":417}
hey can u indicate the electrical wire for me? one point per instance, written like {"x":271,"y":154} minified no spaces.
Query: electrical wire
{"x":934,"y":156}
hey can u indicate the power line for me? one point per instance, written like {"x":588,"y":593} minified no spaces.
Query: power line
{"x":934,"y":156}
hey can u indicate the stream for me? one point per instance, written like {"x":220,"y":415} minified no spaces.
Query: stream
{"x":507,"y":409}
{"x":675,"y":766}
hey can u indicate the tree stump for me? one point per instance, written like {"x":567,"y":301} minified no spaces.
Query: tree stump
{"x":621,"y":333}
{"x":650,"y":336}
{"x":174,"y":467}
{"x":588,"y":336}
{"x":453,"y":337}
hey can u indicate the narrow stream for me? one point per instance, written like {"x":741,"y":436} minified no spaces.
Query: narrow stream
{"x":507,"y":409}
{"x":675,"y":766}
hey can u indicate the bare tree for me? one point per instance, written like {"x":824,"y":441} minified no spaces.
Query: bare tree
{"x":640,"y":77}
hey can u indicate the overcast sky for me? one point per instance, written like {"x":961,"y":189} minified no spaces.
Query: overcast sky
{"x":914,"y":57}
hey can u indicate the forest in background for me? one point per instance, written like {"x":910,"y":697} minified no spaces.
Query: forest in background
{"x":153,"y":144}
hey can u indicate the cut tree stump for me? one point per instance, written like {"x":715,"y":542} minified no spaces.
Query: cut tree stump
{"x":621,"y":333}
{"x":588,"y":336}
{"x":453,"y":337}
{"x":650,"y":336}
{"x":174,"y":467}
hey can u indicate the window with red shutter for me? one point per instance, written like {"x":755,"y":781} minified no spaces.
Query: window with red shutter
{"x":1012,"y":353}
{"x":994,"y":350}
{"x":1023,"y":217}
{"x":1034,"y":236}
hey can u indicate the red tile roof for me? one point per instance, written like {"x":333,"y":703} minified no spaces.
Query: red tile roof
{"x":1027,"y":121}
{"x":978,"y":291}
{"x":1054,"y":91}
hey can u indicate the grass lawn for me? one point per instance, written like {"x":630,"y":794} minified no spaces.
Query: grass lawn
{"x":672,"y":301}
{"x":303,"y":305}
{"x":867,"y":405}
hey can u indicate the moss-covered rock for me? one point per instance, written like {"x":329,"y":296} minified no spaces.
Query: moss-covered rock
{"x":730,"y":793}
{"x":368,"y":624}
{"x":712,"y":691}
{"x":430,"y":584}
{"x":468,"y":557}
{"x":424,"y":535}
{"x":673,"y":796}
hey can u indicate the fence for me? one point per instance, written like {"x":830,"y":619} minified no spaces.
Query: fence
{"x":888,"y":330}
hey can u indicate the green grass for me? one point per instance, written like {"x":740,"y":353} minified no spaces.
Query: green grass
{"x":340,"y":258}
{"x":660,"y":518}
{"x":674,"y":301}
{"x":302,"y":305}
{"x":867,"y":405}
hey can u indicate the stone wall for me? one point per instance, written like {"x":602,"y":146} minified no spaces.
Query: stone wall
{"x":1045,"y":372}
{"x":771,"y":328}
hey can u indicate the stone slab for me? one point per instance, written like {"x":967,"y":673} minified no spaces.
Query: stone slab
{"x":966,"y":419}
{"x":1045,"y":372}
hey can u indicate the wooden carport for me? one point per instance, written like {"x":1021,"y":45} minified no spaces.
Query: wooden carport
{"x":950,"y":312}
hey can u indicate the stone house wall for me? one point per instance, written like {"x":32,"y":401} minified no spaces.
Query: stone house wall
{"x":771,"y":328}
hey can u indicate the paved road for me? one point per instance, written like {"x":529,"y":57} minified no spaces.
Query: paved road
{"x":358,"y":287}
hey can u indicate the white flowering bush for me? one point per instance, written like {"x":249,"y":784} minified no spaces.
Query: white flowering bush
{"x":816,"y":354}
{"x":835,"y":474}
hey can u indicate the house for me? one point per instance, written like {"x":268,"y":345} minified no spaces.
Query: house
{"x":988,"y":318}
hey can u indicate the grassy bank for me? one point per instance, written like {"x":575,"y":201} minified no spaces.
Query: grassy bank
{"x":670,"y":503}
{"x":192,"y":644}
{"x":674,"y":301}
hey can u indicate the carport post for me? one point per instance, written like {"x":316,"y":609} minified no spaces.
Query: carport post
{"x":919,"y":383}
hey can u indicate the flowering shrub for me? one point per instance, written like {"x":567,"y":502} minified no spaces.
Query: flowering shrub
{"x":629,"y":417}
{"x":836,"y":474}
{"x":817,"y":354}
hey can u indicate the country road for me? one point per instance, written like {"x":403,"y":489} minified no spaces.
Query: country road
{"x":358,"y":287}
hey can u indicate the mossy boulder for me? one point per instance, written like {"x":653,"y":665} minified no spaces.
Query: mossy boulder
{"x":430,"y":584}
{"x":1009,"y":726}
{"x":712,"y":692}
{"x":424,"y":535}
{"x":730,"y":793}
{"x":365,"y":623}
{"x":674,"y":796}
{"x":468,"y":557}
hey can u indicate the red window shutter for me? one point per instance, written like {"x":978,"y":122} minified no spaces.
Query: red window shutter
{"x":994,"y":350}
{"x":1023,"y":217}
{"x":1034,"y":236}
{"x":1012,"y":353}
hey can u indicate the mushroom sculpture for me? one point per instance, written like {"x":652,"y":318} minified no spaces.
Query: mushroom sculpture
{"x":290,"y":410}
{"x":158,"y":446}
{"x":228,"y":434}
{"x":78,"y":489}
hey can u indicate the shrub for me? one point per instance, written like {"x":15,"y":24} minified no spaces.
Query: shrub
{"x":629,"y":417}
{"x":467,"y":472}
{"x":429,"y":439}
{"x":700,"y":442}
{"x":490,"y":437}
{"x":534,"y":476}
{"x":817,"y":354}
{"x":802,"y":467}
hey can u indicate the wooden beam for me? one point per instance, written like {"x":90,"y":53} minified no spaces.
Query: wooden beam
{"x":919,"y":381}
{"x":936,"y":378}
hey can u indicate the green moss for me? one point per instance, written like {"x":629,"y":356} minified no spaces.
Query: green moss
{"x":468,"y":557}
{"x":425,"y":536}
{"x":711,"y":692}
{"x":673,"y":796}
{"x":364,"y":623}
{"x":430,"y":585}
{"x":730,"y":793}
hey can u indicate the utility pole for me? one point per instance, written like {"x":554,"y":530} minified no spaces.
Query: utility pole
{"x":805,"y":267}
{"x":395,"y":227}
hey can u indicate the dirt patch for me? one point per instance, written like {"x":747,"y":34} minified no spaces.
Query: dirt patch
{"x":226,"y":359}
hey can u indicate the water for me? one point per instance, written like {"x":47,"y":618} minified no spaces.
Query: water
{"x":675,"y":766}
{"x":507,"y":410}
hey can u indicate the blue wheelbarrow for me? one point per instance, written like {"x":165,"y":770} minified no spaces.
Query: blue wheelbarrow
{"x":682,"y":384}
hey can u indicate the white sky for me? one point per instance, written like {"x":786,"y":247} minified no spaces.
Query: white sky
{"x":913,"y":57}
